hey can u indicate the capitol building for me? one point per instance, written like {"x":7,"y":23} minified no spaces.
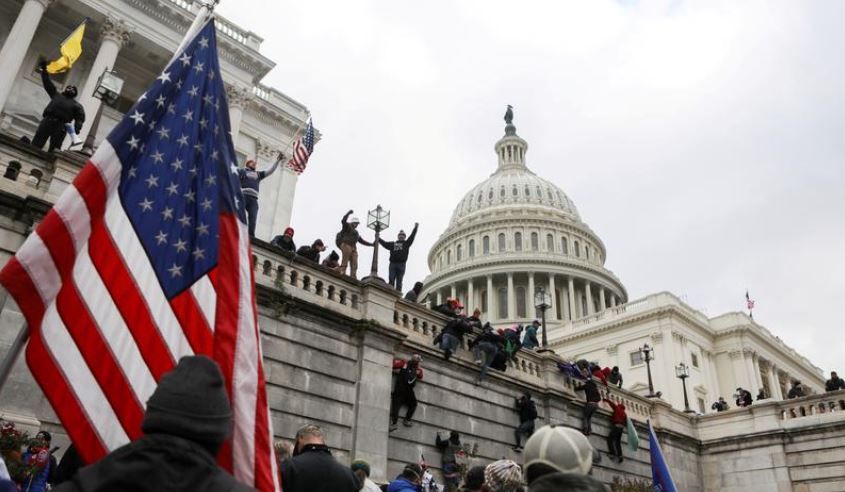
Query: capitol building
{"x":516,"y":234}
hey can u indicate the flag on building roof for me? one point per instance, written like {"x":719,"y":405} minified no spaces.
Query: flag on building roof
{"x":748,"y":301}
{"x":70,"y":49}
{"x":302,"y":148}
{"x":145,"y":259}
{"x":660,"y":474}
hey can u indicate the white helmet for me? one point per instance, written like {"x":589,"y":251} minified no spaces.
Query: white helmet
{"x":354,"y":220}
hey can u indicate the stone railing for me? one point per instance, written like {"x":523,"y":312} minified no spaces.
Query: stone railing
{"x":224,"y":26}
{"x":809,"y":406}
{"x":654,"y":301}
{"x":24,"y":170}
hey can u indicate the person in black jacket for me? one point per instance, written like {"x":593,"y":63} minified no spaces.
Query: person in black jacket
{"x":591,"y":391}
{"x":187,"y":419}
{"x":398,"y":256}
{"x":743,"y":398}
{"x":312,"y":467}
{"x":527,"y":414}
{"x":312,"y":252}
{"x":62,"y":109}
{"x":284,"y":241}
{"x":413,"y":295}
{"x":484,"y":348}
{"x":407,"y":374}
{"x":834,"y":383}
{"x":452,"y":336}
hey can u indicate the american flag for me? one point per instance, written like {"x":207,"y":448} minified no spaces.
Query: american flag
{"x":748,"y":301}
{"x":302,"y":148}
{"x":145,"y":259}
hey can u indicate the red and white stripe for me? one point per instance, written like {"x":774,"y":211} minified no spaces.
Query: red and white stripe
{"x":103,"y":333}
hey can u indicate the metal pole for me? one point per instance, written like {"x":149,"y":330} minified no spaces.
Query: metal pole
{"x":12,"y":355}
{"x":374,"y":268}
{"x":648,"y":368}
{"x":206,"y":9}
{"x":88,"y":147}
{"x":543,"y":316}
{"x":687,"y":409}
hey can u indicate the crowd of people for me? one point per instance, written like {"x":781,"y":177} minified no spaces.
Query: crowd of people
{"x":796,"y":390}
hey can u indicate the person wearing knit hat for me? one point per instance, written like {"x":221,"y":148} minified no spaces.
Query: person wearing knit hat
{"x":361,"y":469}
{"x":284,"y":241}
{"x":503,"y":476}
{"x":187,"y":419}
{"x":554,"y":448}
{"x":398,"y":256}
{"x":250,"y":179}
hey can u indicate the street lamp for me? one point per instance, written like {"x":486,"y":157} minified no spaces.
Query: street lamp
{"x":682,"y":372}
{"x":108,"y":90}
{"x":645,"y":353}
{"x":543,"y":301}
{"x":377,"y":220}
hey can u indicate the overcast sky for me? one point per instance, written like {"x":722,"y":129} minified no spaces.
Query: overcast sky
{"x":702,"y":141}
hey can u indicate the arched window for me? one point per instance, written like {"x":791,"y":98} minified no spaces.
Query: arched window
{"x":520,"y":302}
{"x":485,"y":245}
{"x":577,"y":250}
{"x":551,"y":198}
{"x":484,"y":301}
{"x":550,"y":243}
{"x":535,"y":241}
{"x":583,"y":306}
{"x":514,"y":191}
{"x":459,"y":253}
{"x":503,"y":303}
{"x":564,"y":246}
{"x":471,"y":248}
{"x":490,"y":194}
{"x":587,"y":252}
{"x":527,"y":191}
{"x":502,"y":192}
{"x":517,"y":241}
{"x":501,"y":242}
{"x":479,"y":196}
{"x":449,"y":257}
{"x":12,"y":170}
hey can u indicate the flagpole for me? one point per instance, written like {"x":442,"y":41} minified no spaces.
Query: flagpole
{"x":206,"y":9}
{"x":15,"y":349}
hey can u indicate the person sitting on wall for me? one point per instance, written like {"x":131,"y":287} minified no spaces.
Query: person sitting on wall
{"x":529,"y":341}
{"x":312,"y":252}
{"x":413,"y":295}
{"x":250,"y":180}
{"x":834,"y":383}
{"x":407,"y":374}
{"x":332,"y":260}
{"x":284,"y":241}
{"x":797,"y":390}
{"x":743,"y":398}
{"x":615,"y":377}
{"x":62,"y":109}
{"x":761,"y":395}
{"x":720,"y":405}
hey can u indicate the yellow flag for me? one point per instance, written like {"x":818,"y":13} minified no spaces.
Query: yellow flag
{"x":71,"y":49}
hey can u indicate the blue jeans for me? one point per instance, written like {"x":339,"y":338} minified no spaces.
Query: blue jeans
{"x":449,"y":342}
{"x":396,"y":272}
{"x":488,"y":350}
{"x":251,"y":204}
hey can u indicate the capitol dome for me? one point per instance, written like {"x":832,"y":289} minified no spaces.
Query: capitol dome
{"x":516,"y":234}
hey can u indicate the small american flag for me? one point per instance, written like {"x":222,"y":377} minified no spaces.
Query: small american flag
{"x":145,"y":259}
{"x":302,"y":148}
{"x":748,"y":301}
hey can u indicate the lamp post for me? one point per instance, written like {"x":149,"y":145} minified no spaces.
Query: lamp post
{"x":543,"y":301}
{"x":682,"y":372}
{"x":377,"y":220}
{"x":108,"y":90}
{"x":645,"y":352}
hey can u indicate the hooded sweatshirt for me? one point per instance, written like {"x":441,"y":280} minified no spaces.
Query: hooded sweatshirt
{"x":188,"y":417}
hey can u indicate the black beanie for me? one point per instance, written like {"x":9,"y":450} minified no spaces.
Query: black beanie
{"x":191,"y":402}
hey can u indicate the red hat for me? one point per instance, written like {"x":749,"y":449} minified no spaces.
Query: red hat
{"x":289,"y":232}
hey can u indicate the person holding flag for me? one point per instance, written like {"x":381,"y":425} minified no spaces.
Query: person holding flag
{"x":62,"y":109}
{"x":144,"y":260}
{"x":250,"y":179}
{"x":70,"y":50}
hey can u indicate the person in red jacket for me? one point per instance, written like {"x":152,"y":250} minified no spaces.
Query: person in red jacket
{"x":618,"y":421}
{"x":407,"y":374}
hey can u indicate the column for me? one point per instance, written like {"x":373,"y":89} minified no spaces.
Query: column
{"x":571,"y":298}
{"x":530,"y":310}
{"x":553,"y":292}
{"x":602,"y":305}
{"x":17,"y":43}
{"x":115,"y":35}
{"x":753,"y":385}
{"x":470,"y":297}
{"x":739,"y":372}
{"x":491,"y":313}
{"x":612,"y":300}
{"x":238,"y":98}
{"x":454,"y":292}
{"x":588,"y":292}
{"x":439,"y":297}
{"x":774,"y":382}
{"x":758,"y":377}
{"x":510,"y":297}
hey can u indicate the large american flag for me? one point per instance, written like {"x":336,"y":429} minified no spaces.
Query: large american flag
{"x":144,"y":259}
{"x":302,"y":148}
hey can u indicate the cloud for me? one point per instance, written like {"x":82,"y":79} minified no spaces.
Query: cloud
{"x":700,"y":140}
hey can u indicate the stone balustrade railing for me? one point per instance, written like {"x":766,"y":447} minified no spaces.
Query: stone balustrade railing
{"x":309,"y":282}
{"x":224,"y":26}
{"x":809,"y":406}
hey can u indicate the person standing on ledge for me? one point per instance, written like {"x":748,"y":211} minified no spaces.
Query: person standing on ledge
{"x":63,"y":109}
{"x":250,"y":179}
{"x":399,"y":256}
{"x":347,"y":240}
